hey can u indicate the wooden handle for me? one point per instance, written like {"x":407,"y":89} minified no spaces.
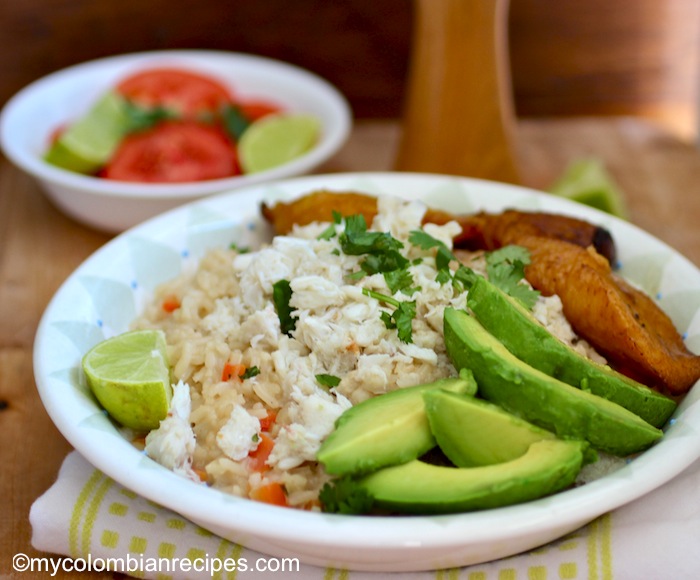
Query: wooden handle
{"x":458,"y":116}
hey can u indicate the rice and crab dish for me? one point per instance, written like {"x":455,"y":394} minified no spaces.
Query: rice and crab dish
{"x":269,"y":346}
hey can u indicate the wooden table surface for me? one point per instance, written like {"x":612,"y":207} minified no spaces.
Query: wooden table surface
{"x":40,"y":247}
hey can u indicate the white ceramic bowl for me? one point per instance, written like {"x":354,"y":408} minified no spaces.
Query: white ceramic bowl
{"x":106,"y":292}
{"x":36,"y":111}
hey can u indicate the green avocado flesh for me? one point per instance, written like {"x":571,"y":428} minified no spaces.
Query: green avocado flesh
{"x":524,"y":336}
{"x":543,"y":400}
{"x":385,"y":430}
{"x":418,"y":487}
{"x":473,"y":432}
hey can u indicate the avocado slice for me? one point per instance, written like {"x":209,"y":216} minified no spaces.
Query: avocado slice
{"x":417,"y":487}
{"x":524,"y":336}
{"x":549,"y":403}
{"x":385,"y":430}
{"x":473,"y":432}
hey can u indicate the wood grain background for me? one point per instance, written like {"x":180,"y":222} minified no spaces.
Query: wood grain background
{"x":637,"y":57}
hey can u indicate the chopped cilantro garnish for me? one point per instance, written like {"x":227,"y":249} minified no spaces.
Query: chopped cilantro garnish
{"x":281,"y":295}
{"x":383,"y":262}
{"x":328,"y":233}
{"x":465,"y":276}
{"x":355,"y":276}
{"x":443,"y":255}
{"x":140,"y":118}
{"x":443,"y":276}
{"x":239,"y":249}
{"x":343,"y":496}
{"x":443,"y":258}
{"x":235,"y":122}
{"x":506,"y":268}
{"x":399,"y":280}
{"x":401,"y":318}
{"x":250,"y":372}
{"x":387,"y":320}
{"x":381,"y":254}
{"x":381,"y":249}
{"x":381,"y":297}
{"x":424,"y":240}
{"x":356,"y":240}
{"x":329,"y":381}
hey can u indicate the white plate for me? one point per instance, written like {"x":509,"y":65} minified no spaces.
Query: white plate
{"x":106,"y":292}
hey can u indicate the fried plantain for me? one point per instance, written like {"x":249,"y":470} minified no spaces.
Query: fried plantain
{"x":318,"y":206}
{"x":620,"y":321}
{"x":479,"y":231}
{"x":485,"y":231}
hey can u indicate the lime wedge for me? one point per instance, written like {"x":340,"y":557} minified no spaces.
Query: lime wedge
{"x":130,"y":376}
{"x":276,"y":139}
{"x":89,"y":143}
{"x":586,"y":181}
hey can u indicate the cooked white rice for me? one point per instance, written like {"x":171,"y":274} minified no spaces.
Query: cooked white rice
{"x":226,"y":315}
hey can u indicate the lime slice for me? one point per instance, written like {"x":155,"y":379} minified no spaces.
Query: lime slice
{"x":586,"y":181}
{"x":130,"y":376}
{"x":89,"y":143}
{"x":276,"y":139}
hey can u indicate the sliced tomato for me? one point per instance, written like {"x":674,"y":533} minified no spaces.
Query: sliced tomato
{"x":174,"y":152}
{"x":253,"y":110}
{"x":185,"y":91}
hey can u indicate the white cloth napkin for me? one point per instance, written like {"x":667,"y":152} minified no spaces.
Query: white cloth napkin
{"x":88,"y":517}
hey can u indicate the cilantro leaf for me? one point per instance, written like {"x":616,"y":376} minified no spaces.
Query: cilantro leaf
{"x":506,"y":268}
{"x":381,"y":297}
{"x":511,"y":254}
{"x":344,"y":496}
{"x":526,"y":295}
{"x":141,"y":118}
{"x":355,"y":276}
{"x":387,"y":320}
{"x":356,"y":240}
{"x":465,"y":276}
{"x":443,"y":276}
{"x":384,"y":262}
{"x":399,"y":281}
{"x":381,"y":253}
{"x":401,"y":318}
{"x":281,"y":295}
{"x":328,"y":233}
{"x":424,"y":240}
{"x":329,"y":381}
{"x":239,"y":249}
{"x":250,"y":372}
{"x":235,"y":122}
{"x":443,"y":255}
